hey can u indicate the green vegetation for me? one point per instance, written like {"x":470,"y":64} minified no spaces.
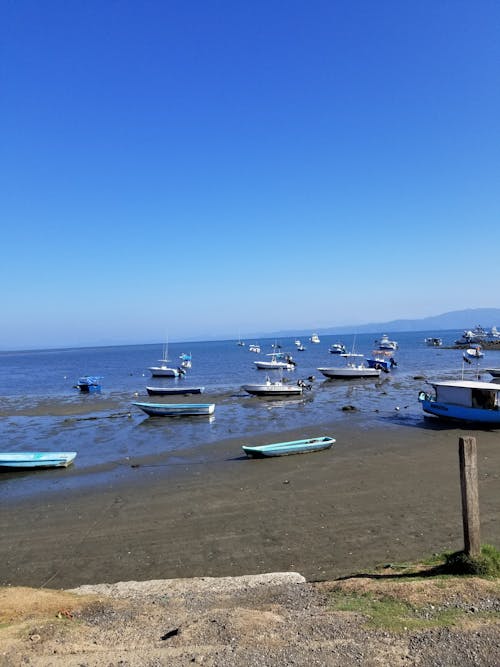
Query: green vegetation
{"x":487,"y":564}
{"x":385,"y":606}
{"x":388,"y":613}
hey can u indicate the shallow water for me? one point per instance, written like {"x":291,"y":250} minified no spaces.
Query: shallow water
{"x":40,"y":408}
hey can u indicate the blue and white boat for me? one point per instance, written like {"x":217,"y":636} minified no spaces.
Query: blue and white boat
{"x":176,"y":409}
{"x":381,"y":359}
{"x":287,"y":448}
{"x":463,"y":401}
{"x":21,"y":460}
{"x":89,"y":383}
{"x":337,"y":348}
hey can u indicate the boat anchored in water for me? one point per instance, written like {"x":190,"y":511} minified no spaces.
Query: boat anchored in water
{"x":355,"y":367}
{"x":278,"y":361}
{"x":164,"y":370}
{"x":277,"y":388}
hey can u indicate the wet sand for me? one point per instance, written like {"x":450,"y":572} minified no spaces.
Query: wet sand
{"x":379,"y":495}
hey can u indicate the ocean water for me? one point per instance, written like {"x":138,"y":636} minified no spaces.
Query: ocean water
{"x":40,"y":408}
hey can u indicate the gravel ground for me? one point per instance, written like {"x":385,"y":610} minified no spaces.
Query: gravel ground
{"x":273,"y":619}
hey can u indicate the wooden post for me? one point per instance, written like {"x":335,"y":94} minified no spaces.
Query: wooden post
{"x":470,"y":498}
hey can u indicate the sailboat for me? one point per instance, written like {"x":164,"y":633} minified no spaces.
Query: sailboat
{"x":163,"y":370}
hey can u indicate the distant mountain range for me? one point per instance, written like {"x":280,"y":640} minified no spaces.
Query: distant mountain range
{"x":456,"y":319}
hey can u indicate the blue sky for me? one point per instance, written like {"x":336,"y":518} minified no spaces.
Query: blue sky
{"x":214,"y":167}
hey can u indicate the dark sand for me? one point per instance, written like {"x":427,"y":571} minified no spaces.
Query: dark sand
{"x":377,"y":496}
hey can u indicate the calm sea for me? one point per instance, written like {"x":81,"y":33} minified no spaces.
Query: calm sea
{"x":40,"y":408}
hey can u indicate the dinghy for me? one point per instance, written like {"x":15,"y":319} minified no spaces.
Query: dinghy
{"x":286,"y":448}
{"x":176,"y":409}
{"x":13,"y":460}
{"x":166,"y":391}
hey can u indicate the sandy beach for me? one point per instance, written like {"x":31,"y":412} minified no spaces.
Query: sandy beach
{"x":379,"y":495}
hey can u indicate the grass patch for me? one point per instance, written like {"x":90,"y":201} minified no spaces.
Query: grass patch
{"x":487,"y":564}
{"x":386,"y":613}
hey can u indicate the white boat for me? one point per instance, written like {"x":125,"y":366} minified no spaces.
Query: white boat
{"x":176,"y":409}
{"x":277,"y":388}
{"x":433,"y":341}
{"x":385,"y":344}
{"x":474,"y":352}
{"x":355,"y":367}
{"x":314,"y":338}
{"x":254,"y":347}
{"x":337,"y":348}
{"x":276,"y":362}
{"x":164,"y":370}
{"x":463,"y":401}
{"x":17,"y":460}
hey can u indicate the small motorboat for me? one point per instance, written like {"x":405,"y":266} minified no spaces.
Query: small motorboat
{"x":89,"y":383}
{"x":382,"y":359}
{"x":474,"y":352}
{"x":385,"y":344}
{"x":18,"y":460}
{"x":355,"y":367}
{"x":286,"y":448}
{"x":176,"y":409}
{"x":433,"y":341}
{"x":277,"y":361}
{"x":278,"y":388}
{"x":337,"y":348}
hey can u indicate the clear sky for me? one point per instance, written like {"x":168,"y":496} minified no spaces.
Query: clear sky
{"x":214,"y":167}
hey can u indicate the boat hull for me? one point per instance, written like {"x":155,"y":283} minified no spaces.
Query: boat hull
{"x":460,"y":413}
{"x":168,"y":391}
{"x":349,"y":373}
{"x":176,"y":409}
{"x":288,"y":448}
{"x":270,"y":365}
{"x":493,"y":371}
{"x":272,"y":390}
{"x":161,"y":372}
{"x":23,"y":460}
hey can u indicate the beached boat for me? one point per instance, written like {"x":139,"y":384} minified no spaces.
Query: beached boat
{"x":464,"y":401}
{"x":432,"y":341}
{"x":164,"y":370}
{"x":168,"y":391}
{"x":13,"y":460}
{"x":385,"y":344}
{"x":269,"y":388}
{"x":176,"y":409}
{"x":89,"y":383}
{"x":287,"y":448}
{"x":355,"y":367}
{"x":277,"y":361}
{"x":337,"y":348}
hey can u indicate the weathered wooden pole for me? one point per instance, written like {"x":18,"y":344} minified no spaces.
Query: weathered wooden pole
{"x":470,"y":497}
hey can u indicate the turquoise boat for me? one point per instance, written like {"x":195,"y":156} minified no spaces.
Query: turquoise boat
{"x":286,"y":448}
{"x":176,"y":409}
{"x":16,"y":460}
